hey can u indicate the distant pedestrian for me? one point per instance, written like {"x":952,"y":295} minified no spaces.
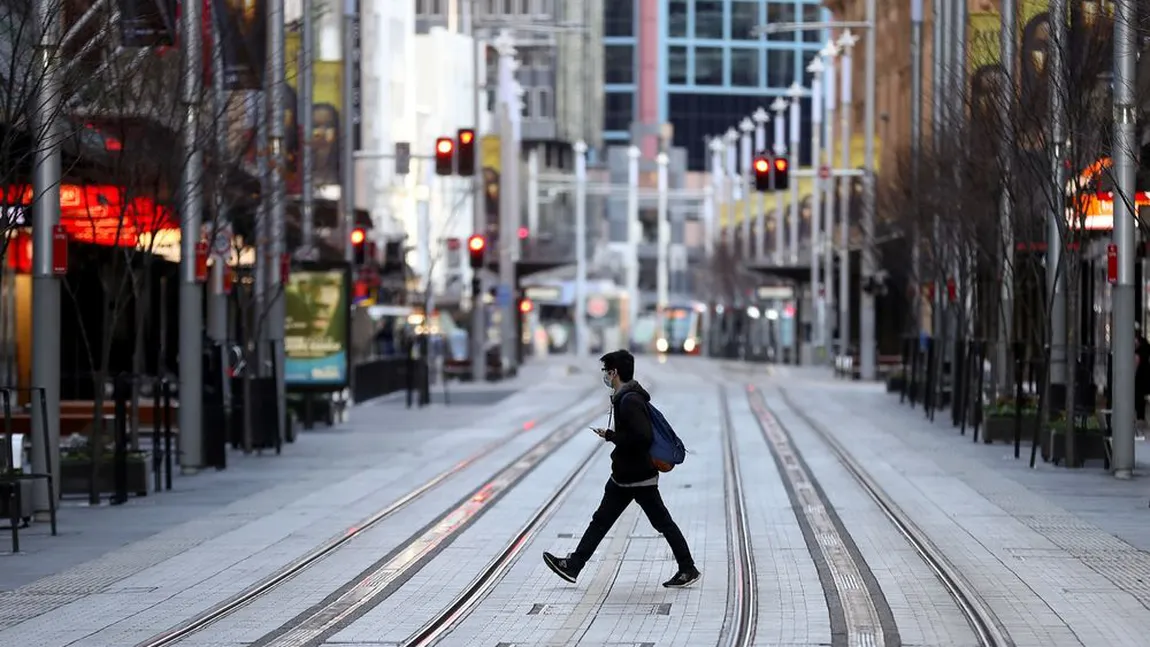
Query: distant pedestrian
{"x":633,"y":477}
{"x":1141,"y":378}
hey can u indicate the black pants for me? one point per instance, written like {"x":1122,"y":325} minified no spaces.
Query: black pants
{"x":615,"y":501}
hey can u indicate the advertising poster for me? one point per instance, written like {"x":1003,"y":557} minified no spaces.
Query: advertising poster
{"x":148,"y":23}
{"x":316,"y":328}
{"x":327,"y":109}
{"x":243,"y":31}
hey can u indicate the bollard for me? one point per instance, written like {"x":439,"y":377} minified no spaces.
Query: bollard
{"x":121,"y":391}
{"x":977,"y":413}
{"x":157,"y":471}
{"x":1018,"y":371}
{"x":167,"y":388}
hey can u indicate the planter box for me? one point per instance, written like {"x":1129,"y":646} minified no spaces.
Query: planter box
{"x":1000,"y":429}
{"x":1089,"y":445}
{"x":24,"y":487}
{"x":74,"y":477}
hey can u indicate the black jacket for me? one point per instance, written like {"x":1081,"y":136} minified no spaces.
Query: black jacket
{"x":631,"y":458}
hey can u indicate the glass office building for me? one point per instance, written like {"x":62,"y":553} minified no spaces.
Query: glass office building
{"x":712,"y":68}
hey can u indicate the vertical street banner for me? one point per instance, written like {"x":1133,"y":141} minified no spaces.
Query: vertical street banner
{"x":243,"y":37}
{"x":355,"y":109}
{"x":490,"y":165}
{"x":148,"y":23}
{"x":327,"y":109}
{"x":317,"y":328}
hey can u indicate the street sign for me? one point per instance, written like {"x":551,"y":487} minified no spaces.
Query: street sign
{"x":503,"y":295}
{"x":1112,"y":263}
{"x":824,"y":172}
{"x":59,"y":250}
{"x":402,"y":158}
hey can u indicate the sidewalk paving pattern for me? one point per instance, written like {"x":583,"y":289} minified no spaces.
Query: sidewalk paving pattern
{"x":1058,"y":555}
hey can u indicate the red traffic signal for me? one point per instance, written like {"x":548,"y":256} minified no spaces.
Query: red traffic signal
{"x":444,"y":156}
{"x":525,"y":306}
{"x":358,"y":246}
{"x":782,"y":175}
{"x":475,"y":247}
{"x":358,"y":235}
{"x":762,"y":167}
{"x":466,"y":157}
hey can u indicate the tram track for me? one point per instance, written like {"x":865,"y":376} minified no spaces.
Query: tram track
{"x":740,"y":623}
{"x":862,"y":620}
{"x":484,"y":496}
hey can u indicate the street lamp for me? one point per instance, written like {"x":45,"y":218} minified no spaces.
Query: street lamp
{"x":816,"y":68}
{"x":779,"y":107}
{"x":730,"y":138}
{"x":846,"y":43}
{"x":829,"y":55}
{"x":746,"y":127}
{"x":795,"y":92}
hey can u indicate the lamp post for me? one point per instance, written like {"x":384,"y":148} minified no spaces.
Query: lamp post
{"x":795,"y":92}
{"x":816,"y":69}
{"x":731,"y":138}
{"x":829,"y":55}
{"x":507,"y":110}
{"x":760,"y":117}
{"x":846,"y":43}
{"x":747,"y":128}
{"x":779,"y":107}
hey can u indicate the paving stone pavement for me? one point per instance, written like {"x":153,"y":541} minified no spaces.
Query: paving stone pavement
{"x":237,"y":526}
{"x":1053,"y":551}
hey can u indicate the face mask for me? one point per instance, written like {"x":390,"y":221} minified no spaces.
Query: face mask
{"x":607,"y":380}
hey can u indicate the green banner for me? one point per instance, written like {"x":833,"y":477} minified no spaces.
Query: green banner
{"x":316,"y":328}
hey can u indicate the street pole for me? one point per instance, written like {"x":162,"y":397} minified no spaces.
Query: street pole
{"x":795,"y":93}
{"x":731,"y":177}
{"x":816,"y":69}
{"x":507,"y":105}
{"x":478,"y":202}
{"x":916,"y":155}
{"x":306,"y":67}
{"x":347,"y":131}
{"x":779,"y":107}
{"x":938,"y":100}
{"x":581,"y":345}
{"x":847,"y":43}
{"x":217,"y":299}
{"x":633,"y":154}
{"x":277,"y":310}
{"x":191,"y":205}
{"x":866,"y":312}
{"x":1055,"y":281}
{"x":715,"y":184}
{"x":45,"y":286}
{"x":532,"y":193}
{"x":830,"y":55}
{"x":1007,"y":136}
{"x":663,"y":231}
{"x":746,"y":130}
{"x":1125,"y":167}
{"x":761,"y":117}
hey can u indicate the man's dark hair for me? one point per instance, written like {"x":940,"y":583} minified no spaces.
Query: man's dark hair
{"x":620,"y":361}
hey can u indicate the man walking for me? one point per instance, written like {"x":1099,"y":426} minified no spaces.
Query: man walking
{"x":633,"y":477}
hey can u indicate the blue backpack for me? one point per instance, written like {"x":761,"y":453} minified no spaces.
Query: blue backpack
{"x":667,"y":450}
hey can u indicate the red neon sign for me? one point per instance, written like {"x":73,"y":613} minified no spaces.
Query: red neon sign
{"x":101,"y":214}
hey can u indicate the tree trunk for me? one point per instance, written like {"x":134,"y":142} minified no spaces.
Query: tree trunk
{"x":142,"y":301}
{"x":96,"y":436}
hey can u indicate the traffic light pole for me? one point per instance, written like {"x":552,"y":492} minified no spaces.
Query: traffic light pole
{"x":478,"y":203}
{"x":816,"y":70}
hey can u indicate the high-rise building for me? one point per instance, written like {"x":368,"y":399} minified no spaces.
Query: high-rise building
{"x":700,"y":65}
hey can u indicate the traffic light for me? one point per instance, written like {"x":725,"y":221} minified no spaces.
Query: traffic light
{"x":444,"y":156}
{"x":475,"y":247}
{"x":762,"y":167}
{"x":359,"y":246}
{"x":525,"y":305}
{"x":466,"y":161}
{"x":782,"y":173}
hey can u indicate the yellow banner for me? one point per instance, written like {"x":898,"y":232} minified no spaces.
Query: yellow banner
{"x":327,"y":112}
{"x":985,"y":47}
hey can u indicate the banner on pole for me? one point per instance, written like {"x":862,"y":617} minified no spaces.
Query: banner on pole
{"x":243,"y":39}
{"x":148,"y":23}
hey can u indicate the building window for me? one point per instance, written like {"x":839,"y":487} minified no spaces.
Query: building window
{"x":421,"y":7}
{"x":525,"y":107}
{"x":708,"y":19}
{"x":493,"y":7}
{"x":546,"y":110}
{"x":745,"y":67}
{"x":812,"y":13}
{"x":544,"y":8}
{"x":677,"y":65}
{"x":619,"y":64}
{"x":780,"y":68}
{"x":677,"y":19}
{"x":781,"y":12}
{"x":508,"y":7}
{"x":618,"y":110}
{"x":619,"y":19}
{"x":709,"y":66}
{"x":744,"y":19}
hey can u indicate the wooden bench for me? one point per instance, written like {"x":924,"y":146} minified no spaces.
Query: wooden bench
{"x":149,"y":415}
{"x":70,"y":423}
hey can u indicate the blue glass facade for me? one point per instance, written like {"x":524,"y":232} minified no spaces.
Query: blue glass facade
{"x":713,"y":69}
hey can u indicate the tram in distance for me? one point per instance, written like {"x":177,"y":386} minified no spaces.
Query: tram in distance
{"x":682,"y":332}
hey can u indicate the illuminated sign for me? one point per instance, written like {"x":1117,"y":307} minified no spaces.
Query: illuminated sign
{"x":1096,"y":210}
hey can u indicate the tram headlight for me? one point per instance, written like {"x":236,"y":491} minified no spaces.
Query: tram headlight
{"x":661,"y":345}
{"x":689,"y":346}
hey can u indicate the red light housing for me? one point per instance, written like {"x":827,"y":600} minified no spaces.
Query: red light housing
{"x":358,"y":236}
{"x":476,"y":243}
{"x":761,"y":165}
{"x":444,"y":146}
